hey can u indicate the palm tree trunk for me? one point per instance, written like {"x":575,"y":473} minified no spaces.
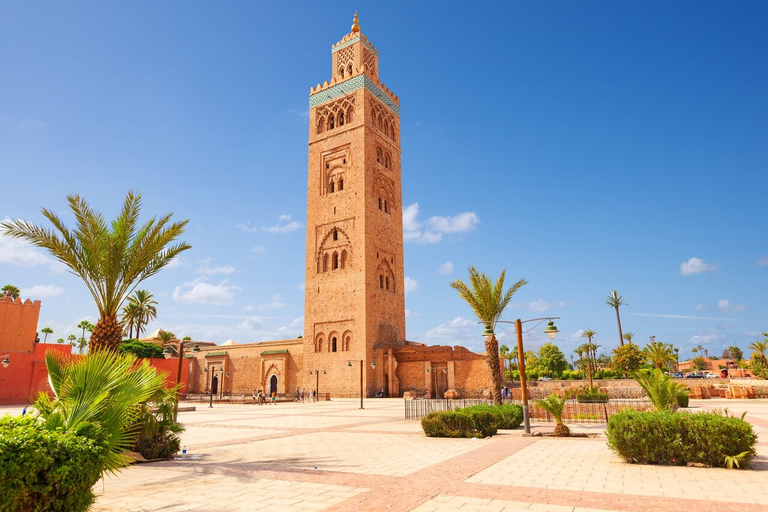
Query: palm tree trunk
{"x":618,"y":321}
{"x":492,"y":358}
{"x":107,"y":334}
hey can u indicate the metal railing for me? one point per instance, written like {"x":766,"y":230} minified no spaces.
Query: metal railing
{"x":246,"y":398}
{"x":573,"y":412}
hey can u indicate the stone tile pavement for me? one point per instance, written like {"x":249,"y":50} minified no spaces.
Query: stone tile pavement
{"x":333,"y":456}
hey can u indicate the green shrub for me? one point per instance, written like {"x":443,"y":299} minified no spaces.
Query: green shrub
{"x":459,"y":423}
{"x":670,"y":438}
{"x":47,"y":471}
{"x":507,"y":416}
{"x":594,"y":396}
{"x":141,"y":348}
{"x":682,"y":398}
{"x":447,"y":424}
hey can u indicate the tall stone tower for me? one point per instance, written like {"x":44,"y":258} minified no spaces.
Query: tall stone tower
{"x":354,"y":298}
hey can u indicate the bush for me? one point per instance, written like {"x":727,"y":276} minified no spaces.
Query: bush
{"x":141,"y":348}
{"x":506,"y":416}
{"x":670,"y":438}
{"x":682,"y":398}
{"x":44,"y":470}
{"x":592,"y":396}
{"x":459,"y":423}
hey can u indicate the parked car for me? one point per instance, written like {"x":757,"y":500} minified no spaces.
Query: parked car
{"x":545,"y":378}
{"x":677,"y":375}
{"x":710,"y":376}
{"x":695,"y":375}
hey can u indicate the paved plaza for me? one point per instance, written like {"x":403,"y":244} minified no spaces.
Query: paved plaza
{"x":333,"y":456}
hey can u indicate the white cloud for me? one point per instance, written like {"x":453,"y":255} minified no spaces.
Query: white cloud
{"x":458,"y":328}
{"x":300,"y":113}
{"x":176,"y":262}
{"x":708,"y":337}
{"x":446,"y":268}
{"x":246,"y":227}
{"x":410,"y":314}
{"x":252,"y":322}
{"x":763,"y":261}
{"x":31,"y":124}
{"x":576,"y":335}
{"x":684,"y":317}
{"x":696,"y":266}
{"x":259,"y":249}
{"x":539,"y":305}
{"x":41,"y":291}
{"x":432,"y":231}
{"x":284,"y":225}
{"x":209,"y":271}
{"x":723,"y":305}
{"x":410,"y":285}
{"x":200,"y":292}
{"x":20,"y":253}
{"x":276,"y":302}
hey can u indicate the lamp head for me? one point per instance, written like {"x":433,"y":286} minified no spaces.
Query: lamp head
{"x":551,"y":330}
{"x":196,"y":348}
{"x":349,"y":364}
{"x":6,"y":361}
{"x":167,"y":353}
{"x":488,"y":330}
{"x":373,"y":365}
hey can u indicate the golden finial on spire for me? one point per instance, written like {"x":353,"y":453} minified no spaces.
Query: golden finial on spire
{"x":355,"y":25}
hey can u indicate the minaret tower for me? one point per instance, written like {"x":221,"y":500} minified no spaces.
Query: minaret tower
{"x":354,"y":298}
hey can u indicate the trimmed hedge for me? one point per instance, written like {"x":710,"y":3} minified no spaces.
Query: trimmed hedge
{"x":676,"y":439}
{"x":507,"y":416}
{"x":593,"y":396}
{"x":459,"y":424}
{"x":682,"y":398}
{"x":47,"y":471}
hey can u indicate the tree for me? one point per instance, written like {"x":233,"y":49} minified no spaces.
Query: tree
{"x":189,"y":338}
{"x":60,"y":341}
{"x":627,"y":359}
{"x":615,"y":301}
{"x":628,"y":336}
{"x":11,"y":291}
{"x":733,"y":352}
{"x":659,"y":354}
{"x":661,"y":389}
{"x":141,"y":349}
{"x":81,"y":344}
{"x":699,"y":363}
{"x":111,"y":259}
{"x":488,"y":301}
{"x":503,"y":351}
{"x":590,"y":350}
{"x":758,"y":349}
{"x":555,"y":405}
{"x":551,"y":359}
{"x":129,"y":318}
{"x":46,"y":331}
{"x":141,"y":310}
{"x":72,"y":339}
{"x":166,"y":336}
{"x":85,"y":325}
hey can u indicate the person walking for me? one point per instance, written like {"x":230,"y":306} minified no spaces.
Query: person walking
{"x":274,"y":395}
{"x":302,"y":395}
{"x":253,"y":396}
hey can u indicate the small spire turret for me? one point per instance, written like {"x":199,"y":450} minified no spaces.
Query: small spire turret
{"x":355,"y":25}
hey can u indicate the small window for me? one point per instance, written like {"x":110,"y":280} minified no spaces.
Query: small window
{"x":379,"y":209}
{"x":341,"y":72}
{"x":387,"y":281}
{"x":386,"y":208}
{"x":346,"y":343}
{"x":341,"y":184}
{"x":325,"y":265}
{"x":343,"y":259}
{"x":386,"y":161}
{"x":332,"y":187}
{"x":381,"y":281}
{"x":319,"y":347}
{"x":378,"y":155}
{"x":330,"y":123}
{"x":349,"y":70}
{"x":341,"y":119}
{"x":344,"y":161}
{"x":335,"y":234}
{"x":335,"y":261}
{"x":333,"y":344}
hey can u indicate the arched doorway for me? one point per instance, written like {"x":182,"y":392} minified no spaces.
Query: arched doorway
{"x":273,"y":385}
{"x":214,"y":385}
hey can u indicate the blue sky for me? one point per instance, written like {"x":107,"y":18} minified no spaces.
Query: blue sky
{"x":583,"y":146}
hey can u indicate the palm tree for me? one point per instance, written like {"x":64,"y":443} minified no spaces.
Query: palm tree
{"x":143,"y":308}
{"x":628,"y":336}
{"x":659,"y":354}
{"x":129,"y":318}
{"x":488,"y":301}
{"x":71,"y":338}
{"x":10,"y":291}
{"x":503,"y":353}
{"x":60,"y":341}
{"x":554,"y":405}
{"x":46,"y":331}
{"x":166,"y":336}
{"x":112,"y":259}
{"x":590,"y":349}
{"x":103,"y":388}
{"x":85,"y":325}
{"x":758,"y":349}
{"x":616,"y":301}
{"x":661,"y":389}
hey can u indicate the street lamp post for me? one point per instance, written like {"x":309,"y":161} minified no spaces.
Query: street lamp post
{"x":213,"y":375}
{"x":550,"y":330}
{"x":6,"y":361}
{"x":317,"y":382}
{"x":362,"y":362}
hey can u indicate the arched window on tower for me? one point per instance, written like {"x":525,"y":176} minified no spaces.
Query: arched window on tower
{"x":331,"y":121}
{"x":378,"y":155}
{"x":379,"y":203}
{"x":325,"y":263}
{"x":333,"y":344}
{"x":386,"y":208}
{"x":341,"y":118}
{"x":346,"y":343}
{"x":319,"y":346}
{"x":341,"y":184}
{"x":387,"y":281}
{"x":349,"y":70}
{"x":332,"y":187}
{"x":341,"y":72}
{"x":343,"y":259}
{"x":335,"y":264}
{"x":386,"y":161}
{"x":381,"y":281}
{"x":335,"y":234}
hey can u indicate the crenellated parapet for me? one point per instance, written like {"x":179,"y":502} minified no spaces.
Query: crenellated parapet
{"x":10,"y":300}
{"x":18,"y":324}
